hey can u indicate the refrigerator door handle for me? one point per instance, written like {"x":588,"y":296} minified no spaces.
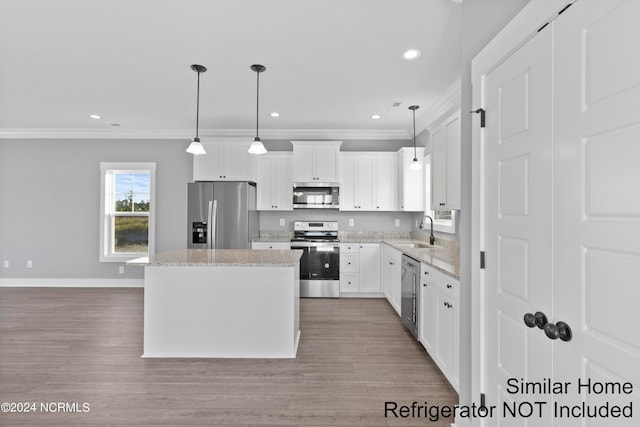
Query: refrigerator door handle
{"x":209,"y":214}
{"x":214,"y":226}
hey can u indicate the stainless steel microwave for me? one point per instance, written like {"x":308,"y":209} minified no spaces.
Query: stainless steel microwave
{"x":316,"y":195}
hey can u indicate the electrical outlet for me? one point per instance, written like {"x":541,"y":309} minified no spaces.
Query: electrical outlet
{"x":29,"y":263}
{"x":6,"y":263}
{"x":350,"y":222}
{"x":397,"y":222}
{"x":121,"y":269}
{"x":281,"y":222}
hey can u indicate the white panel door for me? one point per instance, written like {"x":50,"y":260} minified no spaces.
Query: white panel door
{"x":518,"y":222}
{"x":597,"y":199}
{"x":562,"y":215}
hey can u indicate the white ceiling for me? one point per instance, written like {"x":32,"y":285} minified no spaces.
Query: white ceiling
{"x":331,"y":64}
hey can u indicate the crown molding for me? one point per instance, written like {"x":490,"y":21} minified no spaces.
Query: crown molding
{"x":187,"y":134}
{"x":450,"y":102}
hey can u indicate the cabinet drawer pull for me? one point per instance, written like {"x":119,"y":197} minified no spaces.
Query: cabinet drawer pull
{"x":449,"y":286}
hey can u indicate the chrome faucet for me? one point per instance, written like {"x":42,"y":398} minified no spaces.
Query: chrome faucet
{"x":432,"y":238}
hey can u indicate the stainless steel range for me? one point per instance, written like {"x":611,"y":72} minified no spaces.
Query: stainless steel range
{"x":320,"y":261}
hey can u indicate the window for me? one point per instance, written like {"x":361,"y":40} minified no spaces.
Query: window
{"x":443,"y":221}
{"x":127,"y":210}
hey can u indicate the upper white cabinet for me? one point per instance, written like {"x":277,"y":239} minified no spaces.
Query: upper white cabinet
{"x":445,"y":164}
{"x":368,"y":181}
{"x":224,"y":161}
{"x":410,"y":182}
{"x":275,"y":182}
{"x":316,"y":161}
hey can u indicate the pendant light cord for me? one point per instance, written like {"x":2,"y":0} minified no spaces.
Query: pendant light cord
{"x":415,"y":157}
{"x":257,"y":102}
{"x":198,"y":106}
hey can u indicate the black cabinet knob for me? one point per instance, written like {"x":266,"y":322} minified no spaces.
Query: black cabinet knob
{"x":539,"y":319}
{"x":559,"y":330}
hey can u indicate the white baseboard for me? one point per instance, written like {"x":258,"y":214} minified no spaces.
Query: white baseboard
{"x":71,"y":283}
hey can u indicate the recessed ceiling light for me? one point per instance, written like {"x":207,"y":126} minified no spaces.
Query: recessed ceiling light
{"x":275,"y":114}
{"x":94,"y":116}
{"x":375,"y":116}
{"x":411,"y":54}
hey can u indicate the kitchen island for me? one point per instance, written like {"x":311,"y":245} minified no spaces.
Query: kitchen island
{"x":221,"y":303}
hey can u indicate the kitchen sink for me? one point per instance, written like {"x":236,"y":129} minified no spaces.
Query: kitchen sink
{"x":414,"y":245}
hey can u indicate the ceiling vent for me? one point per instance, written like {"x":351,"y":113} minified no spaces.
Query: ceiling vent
{"x":394,"y":105}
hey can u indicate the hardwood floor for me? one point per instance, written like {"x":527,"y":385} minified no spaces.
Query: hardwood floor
{"x":84,"y":345}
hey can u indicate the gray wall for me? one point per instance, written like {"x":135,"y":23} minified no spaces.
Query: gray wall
{"x":481,"y":21}
{"x":49,"y":203}
{"x":363,"y":221}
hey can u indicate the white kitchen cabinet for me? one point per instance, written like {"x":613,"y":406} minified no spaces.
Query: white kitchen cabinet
{"x":368,"y":181}
{"x":445,"y":164}
{"x":275,"y":182}
{"x":271,"y":245}
{"x":410,"y":182}
{"x":439,"y":327}
{"x":224,"y":161}
{"x":391,"y":276}
{"x":360,"y":268}
{"x":316,"y":161}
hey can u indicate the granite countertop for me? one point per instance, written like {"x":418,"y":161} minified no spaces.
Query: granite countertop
{"x":446,"y":260}
{"x":221,"y":258}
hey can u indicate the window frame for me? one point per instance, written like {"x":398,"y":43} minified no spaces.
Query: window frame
{"x":107,"y":169}
{"x":443,"y":226}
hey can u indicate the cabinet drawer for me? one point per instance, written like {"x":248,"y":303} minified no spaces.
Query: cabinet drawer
{"x":349,"y":282}
{"x":349,"y":262}
{"x":447,"y":283}
{"x":347,"y":248}
{"x":271,"y":245}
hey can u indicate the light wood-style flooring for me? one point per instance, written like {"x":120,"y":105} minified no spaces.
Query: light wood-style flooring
{"x":84,"y":345}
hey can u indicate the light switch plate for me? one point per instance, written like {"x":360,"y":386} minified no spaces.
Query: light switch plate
{"x":6,"y":263}
{"x":397,"y":222}
{"x":121,"y":269}
{"x":351,"y":222}
{"x":281,"y":222}
{"x":29,"y":263}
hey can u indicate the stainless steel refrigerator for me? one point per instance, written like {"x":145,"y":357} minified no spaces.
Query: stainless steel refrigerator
{"x":221,"y":215}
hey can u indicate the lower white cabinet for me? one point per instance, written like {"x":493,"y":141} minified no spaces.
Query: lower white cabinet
{"x":391,"y":276}
{"x":271,"y":245}
{"x":359,"y":268}
{"x":439,"y":318}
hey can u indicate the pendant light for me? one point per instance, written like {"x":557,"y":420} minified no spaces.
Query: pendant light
{"x":415,"y":164}
{"x":196,"y":147}
{"x":257,"y":147}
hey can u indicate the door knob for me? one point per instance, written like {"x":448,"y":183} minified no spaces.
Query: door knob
{"x":559,"y":330}
{"x":539,"y":319}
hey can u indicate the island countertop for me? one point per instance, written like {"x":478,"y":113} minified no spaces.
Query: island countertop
{"x":220,"y":258}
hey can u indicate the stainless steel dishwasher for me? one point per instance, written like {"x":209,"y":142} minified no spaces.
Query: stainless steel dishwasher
{"x":410,"y":296}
